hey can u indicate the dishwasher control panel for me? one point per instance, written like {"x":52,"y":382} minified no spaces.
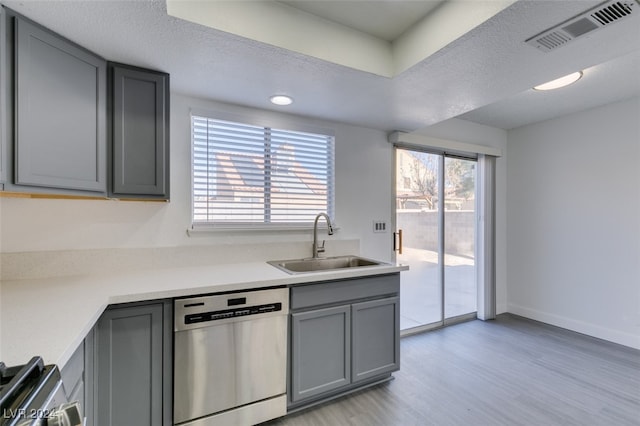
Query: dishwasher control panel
{"x":203,"y":311}
{"x":232,"y":313}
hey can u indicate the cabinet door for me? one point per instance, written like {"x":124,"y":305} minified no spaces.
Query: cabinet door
{"x":73,"y":376}
{"x":129,"y":367}
{"x":4,"y":98}
{"x":88,"y":408}
{"x":320,"y":351}
{"x":376,"y":338}
{"x":60,"y":109}
{"x":140,"y":140}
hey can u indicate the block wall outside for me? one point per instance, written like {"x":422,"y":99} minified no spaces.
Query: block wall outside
{"x":420,"y":230}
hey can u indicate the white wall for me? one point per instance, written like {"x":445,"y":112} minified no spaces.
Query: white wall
{"x":573,"y":222}
{"x":363,"y":193}
{"x":468,"y":132}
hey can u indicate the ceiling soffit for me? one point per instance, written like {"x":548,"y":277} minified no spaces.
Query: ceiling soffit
{"x":282,"y":25}
{"x":384,"y":19}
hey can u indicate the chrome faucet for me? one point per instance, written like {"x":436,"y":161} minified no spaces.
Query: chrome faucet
{"x":320,"y":249}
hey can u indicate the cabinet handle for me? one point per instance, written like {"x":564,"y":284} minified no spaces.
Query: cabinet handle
{"x":397,"y":241}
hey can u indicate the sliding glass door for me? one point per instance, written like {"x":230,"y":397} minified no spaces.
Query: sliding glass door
{"x":435,"y":218}
{"x":460,"y":288}
{"x":418,"y":186}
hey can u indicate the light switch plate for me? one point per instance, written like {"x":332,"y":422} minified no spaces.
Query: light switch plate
{"x":379,"y":226}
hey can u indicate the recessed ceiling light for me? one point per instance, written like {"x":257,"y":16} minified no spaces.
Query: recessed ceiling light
{"x":281,"y":100}
{"x":560,"y":82}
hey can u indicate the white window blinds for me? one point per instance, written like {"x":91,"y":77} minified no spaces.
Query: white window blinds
{"x":247,"y":175}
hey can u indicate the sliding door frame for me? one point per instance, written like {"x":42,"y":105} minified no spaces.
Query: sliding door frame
{"x":484,"y":251}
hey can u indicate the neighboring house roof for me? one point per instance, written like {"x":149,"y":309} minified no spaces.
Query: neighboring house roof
{"x":237,"y":173}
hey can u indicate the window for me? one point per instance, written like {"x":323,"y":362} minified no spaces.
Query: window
{"x":246,"y":175}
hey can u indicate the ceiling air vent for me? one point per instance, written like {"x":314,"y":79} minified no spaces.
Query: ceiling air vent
{"x":603,"y":15}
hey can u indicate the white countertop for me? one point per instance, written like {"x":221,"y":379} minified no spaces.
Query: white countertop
{"x":50,"y":317}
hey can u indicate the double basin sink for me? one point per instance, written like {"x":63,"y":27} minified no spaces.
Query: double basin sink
{"x":299,"y":266}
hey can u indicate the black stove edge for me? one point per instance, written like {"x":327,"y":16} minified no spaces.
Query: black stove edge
{"x":33,"y":368}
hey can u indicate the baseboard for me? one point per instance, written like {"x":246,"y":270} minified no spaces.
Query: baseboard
{"x":615,"y":336}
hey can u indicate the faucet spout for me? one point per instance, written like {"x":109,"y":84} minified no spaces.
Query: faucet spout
{"x":320,"y":249}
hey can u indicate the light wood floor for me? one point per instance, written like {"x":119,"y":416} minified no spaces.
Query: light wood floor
{"x":510,"y":371}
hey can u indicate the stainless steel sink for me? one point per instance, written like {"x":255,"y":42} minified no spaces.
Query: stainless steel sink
{"x":297,"y":266}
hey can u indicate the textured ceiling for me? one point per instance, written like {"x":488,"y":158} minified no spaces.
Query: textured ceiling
{"x":605,"y":83}
{"x":487,"y":65}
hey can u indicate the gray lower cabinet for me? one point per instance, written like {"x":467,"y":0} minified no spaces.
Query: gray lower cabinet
{"x":139,"y":129}
{"x":133,"y":366}
{"x":60,"y":112}
{"x":344,"y":335}
{"x":320,"y":351}
{"x":3,"y":97}
{"x":77,"y":377}
{"x":376,"y":345}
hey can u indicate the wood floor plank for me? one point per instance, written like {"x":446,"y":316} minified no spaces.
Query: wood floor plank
{"x":510,"y":371}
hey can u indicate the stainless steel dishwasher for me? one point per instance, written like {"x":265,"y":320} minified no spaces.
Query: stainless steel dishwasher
{"x":230,"y":358}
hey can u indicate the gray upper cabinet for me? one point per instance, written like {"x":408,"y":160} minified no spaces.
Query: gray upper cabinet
{"x":71,"y":123}
{"x":139,"y":107}
{"x":60,"y":112}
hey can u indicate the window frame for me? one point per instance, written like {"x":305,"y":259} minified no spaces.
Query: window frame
{"x":264,"y":121}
